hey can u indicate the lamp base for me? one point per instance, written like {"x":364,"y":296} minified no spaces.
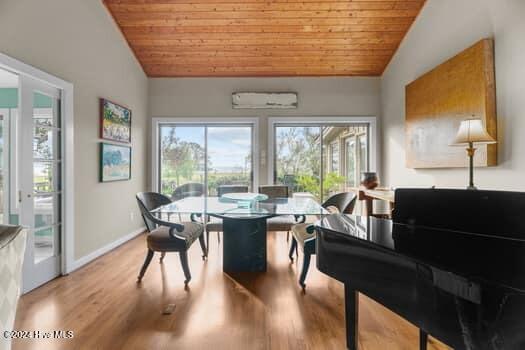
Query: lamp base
{"x":472,"y":187}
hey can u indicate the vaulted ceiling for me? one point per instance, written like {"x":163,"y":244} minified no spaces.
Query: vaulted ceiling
{"x":215,"y":38}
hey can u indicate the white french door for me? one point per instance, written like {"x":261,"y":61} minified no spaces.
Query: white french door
{"x":39,"y":179}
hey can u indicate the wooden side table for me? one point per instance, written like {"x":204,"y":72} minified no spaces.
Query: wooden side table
{"x":383,"y":194}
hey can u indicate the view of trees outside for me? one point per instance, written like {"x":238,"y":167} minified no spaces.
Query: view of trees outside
{"x":181,"y":156}
{"x":182,"y":151}
{"x":298,"y":161}
{"x":301,"y":161}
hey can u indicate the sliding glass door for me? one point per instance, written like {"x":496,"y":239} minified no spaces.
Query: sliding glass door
{"x":197,"y":158}
{"x":320,"y":159}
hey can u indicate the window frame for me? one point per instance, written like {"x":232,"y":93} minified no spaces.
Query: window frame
{"x":195,"y":121}
{"x":371,"y":121}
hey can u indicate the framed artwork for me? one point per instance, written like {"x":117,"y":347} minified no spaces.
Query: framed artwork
{"x":115,"y":162}
{"x":438,"y":101}
{"x":115,"y":122}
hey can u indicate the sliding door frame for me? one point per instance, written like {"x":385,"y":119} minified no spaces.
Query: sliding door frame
{"x":67,"y":238}
{"x":371,"y":121}
{"x":196,"y":121}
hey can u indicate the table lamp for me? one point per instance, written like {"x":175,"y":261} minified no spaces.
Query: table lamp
{"x":472,"y":132}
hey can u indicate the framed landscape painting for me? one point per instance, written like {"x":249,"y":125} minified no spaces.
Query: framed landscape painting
{"x":115,"y":162}
{"x":115,"y":122}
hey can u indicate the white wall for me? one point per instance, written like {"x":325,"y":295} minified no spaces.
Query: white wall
{"x":211,"y":97}
{"x":78,"y":41}
{"x":443,"y":29}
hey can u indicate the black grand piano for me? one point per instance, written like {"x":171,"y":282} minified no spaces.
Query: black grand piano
{"x":452,"y":262}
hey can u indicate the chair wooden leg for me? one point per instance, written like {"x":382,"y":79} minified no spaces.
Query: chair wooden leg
{"x":218,"y":237}
{"x":287,"y":236}
{"x":162,"y":255}
{"x":149,"y":256}
{"x":208,"y":241}
{"x":306,"y":265}
{"x":293,"y":247}
{"x":203,"y":247}
{"x":185,"y":267}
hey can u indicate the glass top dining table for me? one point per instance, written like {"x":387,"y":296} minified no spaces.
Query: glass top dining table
{"x":243,"y":224}
{"x":222,"y":207}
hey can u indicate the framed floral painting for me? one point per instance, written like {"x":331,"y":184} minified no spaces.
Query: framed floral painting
{"x":115,"y":122}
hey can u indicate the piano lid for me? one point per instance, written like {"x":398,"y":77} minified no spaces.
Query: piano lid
{"x":498,"y":213}
{"x":488,"y":259}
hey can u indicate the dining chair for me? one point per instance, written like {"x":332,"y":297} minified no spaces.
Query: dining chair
{"x":303,"y":235}
{"x":282,"y":222}
{"x":166,"y":236}
{"x":215,"y":224}
{"x":190,"y":189}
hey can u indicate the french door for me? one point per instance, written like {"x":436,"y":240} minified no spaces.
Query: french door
{"x":39,"y":185}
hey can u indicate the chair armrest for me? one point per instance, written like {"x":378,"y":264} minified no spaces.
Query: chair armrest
{"x":173,"y":226}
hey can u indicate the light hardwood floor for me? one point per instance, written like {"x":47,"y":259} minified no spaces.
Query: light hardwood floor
{"x":107,"y":309}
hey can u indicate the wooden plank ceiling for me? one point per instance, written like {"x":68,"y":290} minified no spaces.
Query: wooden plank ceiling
{"x":216,"y":38}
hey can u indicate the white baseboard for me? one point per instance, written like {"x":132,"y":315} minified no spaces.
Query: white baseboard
{"x":105,"y":249}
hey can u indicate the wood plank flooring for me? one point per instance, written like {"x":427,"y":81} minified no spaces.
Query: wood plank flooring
{"x":107,"y":309}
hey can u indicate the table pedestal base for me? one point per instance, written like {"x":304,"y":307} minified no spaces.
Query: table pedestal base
{"x":244,"y":245}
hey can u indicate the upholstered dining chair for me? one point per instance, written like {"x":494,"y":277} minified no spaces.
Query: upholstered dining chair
{"x":303,"y":235}
{"x":166,"y":236}
{"x":190,"y":189}
{"x":283,"y":222}
{"x":215,"y":224}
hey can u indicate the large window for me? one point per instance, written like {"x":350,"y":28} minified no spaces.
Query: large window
{"x":320,"y":159}
{"x":198,"y":158}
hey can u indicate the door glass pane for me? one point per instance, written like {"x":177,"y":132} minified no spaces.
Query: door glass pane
{"x":334,"y":157}
{"x":298,"y":158}
{"x":43,"y":147}
{"x":363,"y":153}
{"x":229,"y":156}
{"x":45,"y":211}
{"x":350,"y":162}
{"x":333,"y":174}
{"x":45,"y":243}
{"x":181,"y":160}
{"x":45,"y":110}
{"x":43,"y":177}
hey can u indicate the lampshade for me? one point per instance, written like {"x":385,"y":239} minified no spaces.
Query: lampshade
{"x":472,"y":130}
